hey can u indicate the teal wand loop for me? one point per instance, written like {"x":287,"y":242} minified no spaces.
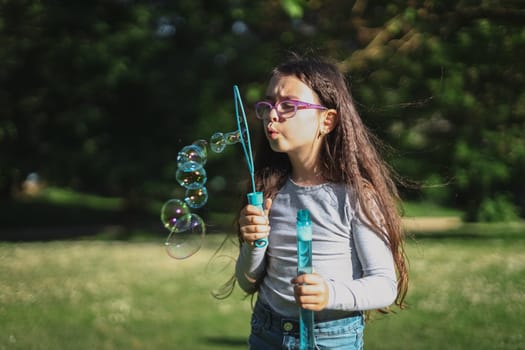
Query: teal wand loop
{"x":254,"y":198}
{"x":304,"y":266}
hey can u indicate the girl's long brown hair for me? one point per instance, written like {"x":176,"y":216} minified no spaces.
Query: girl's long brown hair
{"x":348,"y":155}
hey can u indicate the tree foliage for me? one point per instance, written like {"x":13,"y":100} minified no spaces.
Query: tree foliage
{"x":100,"y":96}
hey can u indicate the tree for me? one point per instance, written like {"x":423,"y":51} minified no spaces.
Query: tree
{"x":101,"y":96}
{"x":77,"y":94}
{"x":465,"y":62}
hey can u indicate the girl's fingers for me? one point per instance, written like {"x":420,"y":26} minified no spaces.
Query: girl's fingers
{"x":252,"y":229}
{"x":309,"y":278}
{"x":255,"y":236}
{"x":310,"y":291}
{"x":253,"y":223}
{"x":251,"y":233}
{"x":315,"y":303}
{"x":253,"y":210}
{"x":267,"y":206}
{"x":309,"y":300}
{"x":257,"y":220}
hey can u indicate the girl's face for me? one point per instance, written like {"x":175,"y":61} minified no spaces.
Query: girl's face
{"x":298,"y":135}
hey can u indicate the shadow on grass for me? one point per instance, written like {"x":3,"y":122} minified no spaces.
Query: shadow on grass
{"x":40,"y":221}
{"x":43,"y":221}
{"x":240,"y":342}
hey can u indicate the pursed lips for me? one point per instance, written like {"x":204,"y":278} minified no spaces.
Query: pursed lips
{"x":271,"y":132}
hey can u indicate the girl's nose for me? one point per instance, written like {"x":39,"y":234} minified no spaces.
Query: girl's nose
{"x":273,"y":116}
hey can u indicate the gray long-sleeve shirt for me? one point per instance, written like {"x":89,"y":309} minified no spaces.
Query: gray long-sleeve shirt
{"x":355,"y":261}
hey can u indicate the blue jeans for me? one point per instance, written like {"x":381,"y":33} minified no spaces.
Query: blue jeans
{"x":271,"y":331}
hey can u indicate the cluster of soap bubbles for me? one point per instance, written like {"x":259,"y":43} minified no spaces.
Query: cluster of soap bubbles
{"x":187,"y":229}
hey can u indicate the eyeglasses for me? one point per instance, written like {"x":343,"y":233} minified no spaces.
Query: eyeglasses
{"x":285,"y":109}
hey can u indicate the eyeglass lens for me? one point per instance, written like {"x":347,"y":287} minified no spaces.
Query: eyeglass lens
{"x":285,"y":109}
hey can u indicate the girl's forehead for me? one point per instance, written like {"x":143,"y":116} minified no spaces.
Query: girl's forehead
{"x":289,"y":86}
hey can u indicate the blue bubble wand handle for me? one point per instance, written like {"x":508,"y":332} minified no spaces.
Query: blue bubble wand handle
{"x":254,"y":198}
{"x":304,"y":266}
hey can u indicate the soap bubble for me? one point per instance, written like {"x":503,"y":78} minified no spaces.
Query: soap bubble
{"x":191,"y":158}
{"x":183,"y":244}
{"x":217,"y":142}
{"x":175,"y":215}
{"x":196,"y":198}
{"x":192,"y":179}
{"x":232,"y":137}
{"x":203,"y":144}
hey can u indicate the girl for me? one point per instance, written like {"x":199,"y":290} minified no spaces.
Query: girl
{"x":317,"y":155}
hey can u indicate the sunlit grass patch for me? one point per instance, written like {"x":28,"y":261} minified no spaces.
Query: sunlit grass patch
{"x":464,"y":293}
{"x":111,"y":295}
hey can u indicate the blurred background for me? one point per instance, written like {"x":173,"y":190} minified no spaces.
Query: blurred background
{"x":97,"y":98}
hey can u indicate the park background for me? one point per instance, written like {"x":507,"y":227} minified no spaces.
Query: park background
{"x":97,"y":98}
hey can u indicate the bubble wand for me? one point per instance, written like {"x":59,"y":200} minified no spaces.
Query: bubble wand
{"x":187,"y":229}
{"x":254,"y":197}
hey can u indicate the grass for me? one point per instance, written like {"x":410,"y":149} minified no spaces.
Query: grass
{"x":428,"y":209}
{"x":466,"y":292}
{"x":112,"y":295}
{"x":467,"y":288}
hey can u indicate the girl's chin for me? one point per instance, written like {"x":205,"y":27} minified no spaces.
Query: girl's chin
{"x":276,"y":146}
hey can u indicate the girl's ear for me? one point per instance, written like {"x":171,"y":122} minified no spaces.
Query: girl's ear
{"x":329,"y":121}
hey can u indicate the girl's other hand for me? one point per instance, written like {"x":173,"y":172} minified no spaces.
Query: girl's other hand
{"x":310,"y":291}
{"x":254,"y":223}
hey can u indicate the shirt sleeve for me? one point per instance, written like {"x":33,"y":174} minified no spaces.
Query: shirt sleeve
{"x":250,"y":267}
{"x":377,"y":287}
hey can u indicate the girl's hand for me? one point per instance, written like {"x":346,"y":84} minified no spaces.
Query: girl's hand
{"x":254,"y":223}
{"x":310,"y":291}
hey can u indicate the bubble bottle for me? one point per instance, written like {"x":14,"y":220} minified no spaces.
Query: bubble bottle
{"x":304,"y":266}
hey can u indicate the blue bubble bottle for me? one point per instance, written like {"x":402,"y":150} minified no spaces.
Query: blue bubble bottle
{"x":304,"y":266}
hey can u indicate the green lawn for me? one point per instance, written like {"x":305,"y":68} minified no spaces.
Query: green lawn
{"x":466,"y":293}
{"x":428,"y":209}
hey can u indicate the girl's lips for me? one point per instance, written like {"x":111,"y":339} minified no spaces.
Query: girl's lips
{"x":272,"y":134}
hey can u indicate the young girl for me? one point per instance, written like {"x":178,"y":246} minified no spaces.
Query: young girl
{"x":317,"y":155}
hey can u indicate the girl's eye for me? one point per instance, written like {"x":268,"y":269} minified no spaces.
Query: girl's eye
{"x":286,"y":107}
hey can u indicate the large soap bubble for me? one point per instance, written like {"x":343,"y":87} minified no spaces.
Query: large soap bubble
{"x":183,"y":244}
{"x":175,"y":215}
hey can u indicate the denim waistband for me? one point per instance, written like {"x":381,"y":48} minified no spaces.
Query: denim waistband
{"x":272,"y":320}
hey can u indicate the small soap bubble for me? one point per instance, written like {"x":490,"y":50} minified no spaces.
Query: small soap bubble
{"x":192,"y":179}
{"x":175,"y":215}
{"x":196,"y":198}
{"x":191,"y":158}
{"x":232,"y":137}
{"x":183,"y":244}
{"x":217,"y":142}
{"x":203,"y":144}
